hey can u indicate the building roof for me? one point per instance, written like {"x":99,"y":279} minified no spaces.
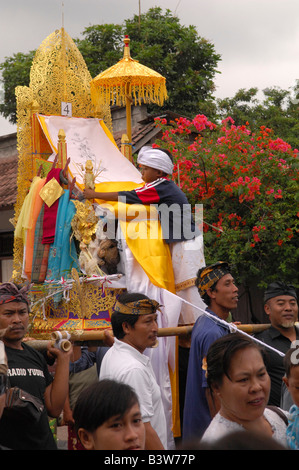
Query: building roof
{"x":8,"y":181}
{"x":146,"y":131}
{"x":141,"y":135}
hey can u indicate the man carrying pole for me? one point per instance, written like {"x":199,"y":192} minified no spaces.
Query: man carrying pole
{"x":217,"y":288}
{"x":28,"y":370}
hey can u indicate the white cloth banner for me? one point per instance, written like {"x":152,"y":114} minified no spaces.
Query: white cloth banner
{"x":87,"y":140}
{"x":187,"y":258}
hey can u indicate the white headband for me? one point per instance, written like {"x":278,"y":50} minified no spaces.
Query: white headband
{"x":155,"y":158}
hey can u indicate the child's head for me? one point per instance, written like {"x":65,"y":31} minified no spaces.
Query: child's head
{"x":154,"y":163}
{"x":107,"y":417}
{"x":291,"y":378}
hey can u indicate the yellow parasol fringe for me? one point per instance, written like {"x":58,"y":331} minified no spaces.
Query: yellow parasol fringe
{"x":116,"y":92}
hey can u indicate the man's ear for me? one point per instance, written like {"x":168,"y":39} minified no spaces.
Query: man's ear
{"x":86,"y":439}
{"x":211,"y":293}
{"x":267,"y":308}
{"x":126,"y":327}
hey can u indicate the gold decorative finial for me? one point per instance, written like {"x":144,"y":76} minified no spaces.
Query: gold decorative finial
{"x":127,"y":47}
{"x":34,"y":107}
{"x":62,"y":152}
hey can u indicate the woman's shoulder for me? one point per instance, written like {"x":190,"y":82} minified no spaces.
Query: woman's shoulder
{"x":276,"y":414}
{"x":278,"y":419}
{"x":219,"y":427}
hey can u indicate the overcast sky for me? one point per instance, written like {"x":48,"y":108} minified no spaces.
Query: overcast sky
{"x":258,"y":40}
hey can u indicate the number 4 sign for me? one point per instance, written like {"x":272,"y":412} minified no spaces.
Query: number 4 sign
{"x":66,"y":109}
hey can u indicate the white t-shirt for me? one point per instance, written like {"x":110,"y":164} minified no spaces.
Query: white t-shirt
{"x":220,"y":427}
{"x":124,"y":363}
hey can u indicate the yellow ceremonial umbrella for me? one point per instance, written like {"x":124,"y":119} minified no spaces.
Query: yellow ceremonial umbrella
{"x":128,"y":81}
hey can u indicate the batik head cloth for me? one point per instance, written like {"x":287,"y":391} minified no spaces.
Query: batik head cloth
{"x":279,"y":288}
{"x":155,"y":158}
{"x":208,"y":276}
{"x":10,"y":292}
{"x":137,"y":307}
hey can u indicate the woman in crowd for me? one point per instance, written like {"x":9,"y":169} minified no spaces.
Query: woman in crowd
{"x":239,"y":382}
{"x":107,"y":417}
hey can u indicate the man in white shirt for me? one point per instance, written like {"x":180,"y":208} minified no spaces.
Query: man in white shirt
{"x":134,"y":324}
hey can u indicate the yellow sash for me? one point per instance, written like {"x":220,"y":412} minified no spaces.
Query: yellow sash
{"x":143,"y":234}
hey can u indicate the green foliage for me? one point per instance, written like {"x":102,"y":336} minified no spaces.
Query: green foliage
{"x":248,"y":185}
{"x":101,"y":46}
{"x":187,"y":61}
{"x":15,"y":72}
{"x":278,"y":110}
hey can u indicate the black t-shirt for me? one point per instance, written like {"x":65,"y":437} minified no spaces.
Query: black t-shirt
{"x":273,"y":361}
{"x":28,"y":370}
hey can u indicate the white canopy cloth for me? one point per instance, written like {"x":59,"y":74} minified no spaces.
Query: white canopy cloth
{"x":89,"y":139}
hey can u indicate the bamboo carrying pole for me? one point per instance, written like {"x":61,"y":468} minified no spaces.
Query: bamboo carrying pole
{"x":79,"y":336}
{"x":42,"y":344}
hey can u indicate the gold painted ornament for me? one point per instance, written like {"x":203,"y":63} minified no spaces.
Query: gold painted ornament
{"x":51,"y":191}
{"x":84,"y":223}
{"x":58,"y":74}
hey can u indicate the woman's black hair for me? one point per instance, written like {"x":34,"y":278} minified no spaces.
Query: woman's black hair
{"x":100,"y":402}
{"x":221,"y":353}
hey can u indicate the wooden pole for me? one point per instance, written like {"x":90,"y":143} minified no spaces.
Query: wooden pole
{"x":35,"y":137}
{"x":127,"y":57}
{"x":129,"y":120}
{"x":79,"y":336}
{"x":42,"y":344}
{"x":126,"y":147}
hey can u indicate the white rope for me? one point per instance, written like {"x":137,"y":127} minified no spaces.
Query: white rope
{"x":230,"y":326}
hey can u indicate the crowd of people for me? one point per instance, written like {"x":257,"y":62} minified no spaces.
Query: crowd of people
{"x":228,"y":387}
{"x":240,"y":392}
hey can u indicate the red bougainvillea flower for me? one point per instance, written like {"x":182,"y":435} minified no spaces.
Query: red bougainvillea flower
{"x":248,"y":186}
